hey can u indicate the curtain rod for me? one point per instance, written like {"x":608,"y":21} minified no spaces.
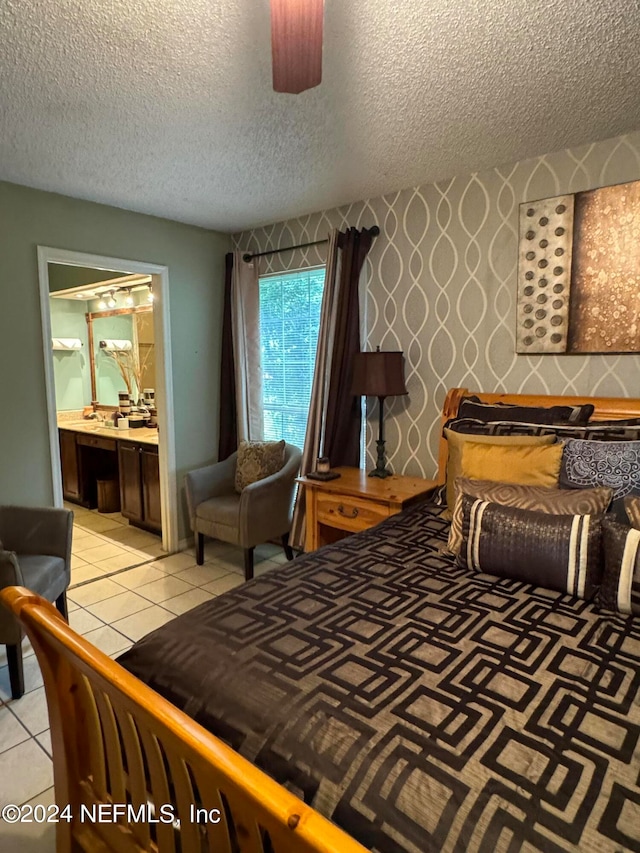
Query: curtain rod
{"x":374,"y":230}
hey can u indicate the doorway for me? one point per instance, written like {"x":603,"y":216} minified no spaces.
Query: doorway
{"x":157,"y":278}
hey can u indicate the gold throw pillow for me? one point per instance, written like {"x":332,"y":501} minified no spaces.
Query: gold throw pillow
{"x":456,"y":442}
{"x":529,"y":466}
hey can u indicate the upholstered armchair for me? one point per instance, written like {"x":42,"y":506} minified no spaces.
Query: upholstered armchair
{"x":262,"y":511}
{"x":35,"y":552}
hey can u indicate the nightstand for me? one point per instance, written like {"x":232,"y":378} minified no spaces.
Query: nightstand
{"x":355,"y":502}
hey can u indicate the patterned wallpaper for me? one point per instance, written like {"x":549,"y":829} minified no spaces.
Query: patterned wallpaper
{"x":441,"y":285}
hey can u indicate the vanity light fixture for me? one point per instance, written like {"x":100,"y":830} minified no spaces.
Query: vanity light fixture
{"x":102,"y":305}
{"x":128,"y":300}
{"x":150,"y":296}
{"x":111,"y":301}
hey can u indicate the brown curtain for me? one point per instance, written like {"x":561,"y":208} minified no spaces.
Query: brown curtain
{"x":343,"y":420}
{"x":228,"y":442}
{"x":334,"y":415}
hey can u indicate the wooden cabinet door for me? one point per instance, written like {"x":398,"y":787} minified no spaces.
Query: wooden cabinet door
{"x":69,"y":462}
{"x":151,"y":488}
{"x":130,"y":482}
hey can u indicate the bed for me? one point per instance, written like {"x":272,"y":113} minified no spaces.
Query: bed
{"x":418,"y":705}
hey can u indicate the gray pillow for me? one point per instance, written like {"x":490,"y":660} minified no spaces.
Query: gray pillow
{"x":561,"y":552}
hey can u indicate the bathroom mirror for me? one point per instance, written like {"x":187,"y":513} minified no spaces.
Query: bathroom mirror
{"x":122,"y":353}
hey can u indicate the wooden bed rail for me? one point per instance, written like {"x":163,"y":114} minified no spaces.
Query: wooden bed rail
{"x":116,"y":741}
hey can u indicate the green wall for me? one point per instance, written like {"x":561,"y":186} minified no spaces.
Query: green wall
{"x":72,"y":370}
{"x":195,"y":258}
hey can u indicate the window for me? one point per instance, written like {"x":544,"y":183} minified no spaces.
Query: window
{"x":289,"y":321}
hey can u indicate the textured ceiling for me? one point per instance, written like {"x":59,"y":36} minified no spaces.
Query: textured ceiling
{"x":166,"y":107}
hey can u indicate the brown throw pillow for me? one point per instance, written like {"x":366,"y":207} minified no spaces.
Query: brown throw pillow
{"x":620,"y":590}
{"x":457,"y":441}
{"x":632,"y":508}
{"x":257,"y":460}
{"x":560,"y":552}
{"x":537,"y":498}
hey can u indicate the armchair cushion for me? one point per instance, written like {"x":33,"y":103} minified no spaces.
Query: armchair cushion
{"x":257,"y":460}
{"x":45,"y":575}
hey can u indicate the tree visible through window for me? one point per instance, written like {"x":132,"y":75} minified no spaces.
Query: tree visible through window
{"x":289,"y":322}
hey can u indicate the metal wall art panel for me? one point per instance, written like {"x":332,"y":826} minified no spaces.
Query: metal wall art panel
{"x":579,"y":272}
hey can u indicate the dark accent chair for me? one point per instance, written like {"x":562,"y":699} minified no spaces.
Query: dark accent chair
{"x":35,"y":552}
{"x":263,"y":511}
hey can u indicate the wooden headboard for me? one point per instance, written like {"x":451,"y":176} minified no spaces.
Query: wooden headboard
{"x":605,"y":409}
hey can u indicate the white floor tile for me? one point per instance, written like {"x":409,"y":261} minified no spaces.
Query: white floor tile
{"x":148,"y":552}
{"x":140,"y":576}
{"x":88,"y":572}
{"x":107,"y":639}
{"x":163,"y":588}
{"x":103,"y":552}
{"x":118,"y":607}
{"x":121,"y":561}
{"x":32,"y":678}
{"x":31,"y":837}
{"x":97,"y":524}
{"x":224,"y":584}
{"x":188,"y":600}
{"x":31,"y":710}
{"x":200,"y":575}
{"x":77,"y":562}
{"x":137,"y":626}
{"x":83,"y":621}
{"x":27,"y":772}
{"x":12,"y":731}
{"x":175,"y":562}
{"x":86,"y":542}
{"x":95,"y":591}
{"x":44,"y":739}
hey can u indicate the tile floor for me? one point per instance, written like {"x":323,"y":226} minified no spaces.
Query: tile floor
{"x":122,"y":587}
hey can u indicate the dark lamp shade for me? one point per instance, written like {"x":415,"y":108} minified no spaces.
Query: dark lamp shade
{"x":378,"y":374}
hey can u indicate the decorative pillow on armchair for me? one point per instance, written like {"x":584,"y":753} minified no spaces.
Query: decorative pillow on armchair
{"x":257,"y":460}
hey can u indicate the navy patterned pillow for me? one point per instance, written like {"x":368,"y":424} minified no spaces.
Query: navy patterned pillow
{"x":615,"y":464}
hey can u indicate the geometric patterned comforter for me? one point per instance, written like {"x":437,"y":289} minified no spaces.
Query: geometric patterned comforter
{"x":418,"y":705}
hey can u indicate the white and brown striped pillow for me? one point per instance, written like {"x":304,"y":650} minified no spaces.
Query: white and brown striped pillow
{"x":562,"y":552}
{"x":620,"y":590}
{"x":632,"y":509}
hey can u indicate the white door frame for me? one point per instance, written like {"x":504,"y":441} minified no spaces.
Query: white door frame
{"x":164,"y":379}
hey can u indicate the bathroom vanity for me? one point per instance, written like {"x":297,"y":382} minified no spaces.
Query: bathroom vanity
{"x":90,"y":452}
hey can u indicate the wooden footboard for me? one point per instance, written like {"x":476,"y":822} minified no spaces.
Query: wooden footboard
{"x":140,"y":775}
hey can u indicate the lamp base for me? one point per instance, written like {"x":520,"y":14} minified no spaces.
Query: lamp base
{"x":380,"y":470}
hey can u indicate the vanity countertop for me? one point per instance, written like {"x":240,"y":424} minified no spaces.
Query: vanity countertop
{"x":142,"y":435}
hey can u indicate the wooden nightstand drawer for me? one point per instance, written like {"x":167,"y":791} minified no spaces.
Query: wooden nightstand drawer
{"x":355,"y":502}
{"x":348,"y":513}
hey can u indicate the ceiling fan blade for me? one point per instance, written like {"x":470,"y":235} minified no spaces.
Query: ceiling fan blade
{"x":296,"y":44}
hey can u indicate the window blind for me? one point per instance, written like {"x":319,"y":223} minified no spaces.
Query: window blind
{"x":289,"y":322}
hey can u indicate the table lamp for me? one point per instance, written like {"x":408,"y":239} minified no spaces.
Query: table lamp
{"x":379,"y":374}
